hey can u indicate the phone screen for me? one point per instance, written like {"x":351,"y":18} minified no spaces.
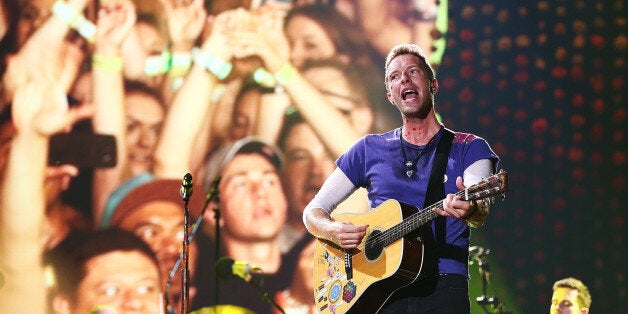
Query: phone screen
{"x":82,"y":150}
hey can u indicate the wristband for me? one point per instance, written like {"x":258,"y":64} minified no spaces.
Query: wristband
{"x":218,"y":67}
{"x":106,"y":63}
{"x":157,"y":64}
{"x":180,"y":63}
{"x":285,"y":74}
{"x":264,"y":78}
{"x":75,"y":20}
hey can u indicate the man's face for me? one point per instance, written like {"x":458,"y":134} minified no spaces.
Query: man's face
{"x":160,"y":224}
{"x":408,"y":86}
{"x":126,"y":281}
{"x":565,"y":301}
{"x":252,"y":199}
{"x":307,"y":165}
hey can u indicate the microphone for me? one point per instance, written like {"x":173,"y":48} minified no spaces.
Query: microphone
{"x":186,"y":187}
{"x":227,"y":268}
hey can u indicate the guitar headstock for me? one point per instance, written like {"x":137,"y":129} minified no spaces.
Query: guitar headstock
{"x":496,"y":184}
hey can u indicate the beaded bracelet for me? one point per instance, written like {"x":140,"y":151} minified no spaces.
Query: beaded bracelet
{"x":75,"y":20}
{"x":218,"y":67}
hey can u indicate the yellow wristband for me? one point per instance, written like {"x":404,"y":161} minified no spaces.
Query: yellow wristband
{"x":285,"y":74}
{"x":181,"y":64}
{"x":106,"y":63}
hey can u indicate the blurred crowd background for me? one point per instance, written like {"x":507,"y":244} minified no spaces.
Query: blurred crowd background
{"x":256,"y":99}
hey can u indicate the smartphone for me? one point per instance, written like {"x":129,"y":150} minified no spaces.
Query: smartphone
{"x":82,"y":150}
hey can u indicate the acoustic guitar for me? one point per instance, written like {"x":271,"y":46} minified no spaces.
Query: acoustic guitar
{"x":361,"y":280}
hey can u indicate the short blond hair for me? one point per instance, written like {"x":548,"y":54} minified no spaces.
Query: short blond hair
{"x":584,"y":297}
{"x":411,"y":49}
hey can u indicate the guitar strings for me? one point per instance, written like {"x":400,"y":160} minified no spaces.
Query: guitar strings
{"x":425,"y":214}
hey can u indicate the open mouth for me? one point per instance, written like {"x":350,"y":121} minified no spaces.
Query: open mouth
{"x":408,"y":93}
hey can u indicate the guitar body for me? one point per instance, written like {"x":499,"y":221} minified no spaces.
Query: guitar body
{"x":362,"y":281}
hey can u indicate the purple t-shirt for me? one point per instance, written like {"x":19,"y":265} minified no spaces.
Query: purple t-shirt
{"x":376,"y":163}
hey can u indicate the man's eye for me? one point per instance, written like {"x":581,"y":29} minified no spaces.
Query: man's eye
{"x":147,"y":233}
{"x":145,"y":289}
{"x":111,"y":291}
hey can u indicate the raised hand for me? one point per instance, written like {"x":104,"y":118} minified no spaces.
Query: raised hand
{"x":218,"y":43}
{"x":115,"y":20}
{"x":186,"y":20}
{"x":40,"y":107}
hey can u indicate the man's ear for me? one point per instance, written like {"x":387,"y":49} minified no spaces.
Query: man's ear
{"x":61,"y":304}
{"x":434,"y":86}
{"x":389,"y":96}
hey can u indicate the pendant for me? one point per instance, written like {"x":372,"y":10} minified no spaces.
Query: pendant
{"x":409,"y":173}
{"x":409,"y":164}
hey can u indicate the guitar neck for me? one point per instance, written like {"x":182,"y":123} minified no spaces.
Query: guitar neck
{"x":411,"y":223}
{"x":422,"y":217}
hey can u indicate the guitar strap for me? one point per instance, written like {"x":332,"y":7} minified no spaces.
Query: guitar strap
{"x":436,"y":186}
{"x":435,"y":192}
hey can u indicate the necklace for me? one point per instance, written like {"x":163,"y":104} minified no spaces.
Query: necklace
{"x":410,"y":164}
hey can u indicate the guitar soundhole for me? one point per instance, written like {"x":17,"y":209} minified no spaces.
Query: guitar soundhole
{"x":374,"y":245}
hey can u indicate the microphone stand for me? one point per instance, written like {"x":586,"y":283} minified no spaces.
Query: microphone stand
{"x":484,"y":301}
{"x":266,"y":297}
{"x":185,"y":272}
{"x":213,"y":193}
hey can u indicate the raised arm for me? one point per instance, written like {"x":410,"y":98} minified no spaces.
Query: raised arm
{"x":115,"y":21}
{"x":43,"y":50}
{"x":39,"y":110}
{"x":191,"y":107}
{"x":185,"y":22}
{"x":334,"y":129}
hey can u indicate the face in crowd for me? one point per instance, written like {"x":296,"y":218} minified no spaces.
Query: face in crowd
{"x":160,"y":225}
{"x":252,"y":200}
{"x":308,"y":41}
{"x":127,"y":282}
{"x":144,"y":119}
{"x":565,"y":301}
{"x":245,"y":113}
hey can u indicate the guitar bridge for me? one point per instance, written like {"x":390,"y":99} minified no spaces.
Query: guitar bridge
{"x":348,"y":265}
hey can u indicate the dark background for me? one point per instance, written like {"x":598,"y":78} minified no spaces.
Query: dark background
{"x":544,"y":82}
